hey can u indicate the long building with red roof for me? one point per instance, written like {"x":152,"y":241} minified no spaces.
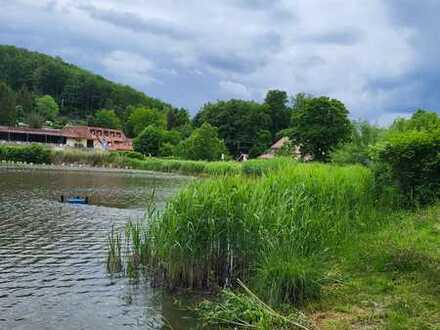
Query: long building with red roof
{"x":85,"y":137}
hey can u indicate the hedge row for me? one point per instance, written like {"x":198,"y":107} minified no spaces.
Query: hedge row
{"x":28,"y":154}
{"x":413,"y":161}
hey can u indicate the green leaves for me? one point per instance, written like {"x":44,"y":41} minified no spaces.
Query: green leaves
{"x":107,"y":118}
{"x":46,"y":107}
{"x":238,"y":123}
{"x":319,"y":124}
{"x":414,"y":161}
{"x":8,"y":111}
{"x":203,"y":144}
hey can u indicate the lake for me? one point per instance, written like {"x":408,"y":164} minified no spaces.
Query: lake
{"x":52,"y":255}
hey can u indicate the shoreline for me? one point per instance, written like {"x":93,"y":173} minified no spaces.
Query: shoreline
{"x":87,"y":168}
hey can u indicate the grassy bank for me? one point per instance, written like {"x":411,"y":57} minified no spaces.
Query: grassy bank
{"x":391,"y":278}
{"x":280,"y":227}
{"x":36,"y":154}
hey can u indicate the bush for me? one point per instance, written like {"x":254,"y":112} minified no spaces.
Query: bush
{"x":413,"y":160}
{"x":149,"y":141}
{"x":132,"y":155}
{"x":167,"y":149}
{"x":29,"y":154}
{"x":203,"y":144}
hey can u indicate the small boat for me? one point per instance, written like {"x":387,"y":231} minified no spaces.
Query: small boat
{"x":74,"y":200}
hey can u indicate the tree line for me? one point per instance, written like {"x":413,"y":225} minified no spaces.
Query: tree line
{"x":39,"y":90}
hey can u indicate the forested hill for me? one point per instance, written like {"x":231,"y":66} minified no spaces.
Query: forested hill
{"x":78,"y":92}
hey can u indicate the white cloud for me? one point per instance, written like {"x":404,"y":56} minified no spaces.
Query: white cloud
{"x":234,"y":89}
{"x":130,"y":67}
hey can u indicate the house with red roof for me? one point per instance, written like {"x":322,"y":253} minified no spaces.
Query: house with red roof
{"x":85,"y":137}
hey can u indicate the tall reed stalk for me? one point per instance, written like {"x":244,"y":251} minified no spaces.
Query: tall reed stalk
{"x":276,"y":230}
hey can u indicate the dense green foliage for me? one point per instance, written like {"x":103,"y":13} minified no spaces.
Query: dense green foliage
{"x":106,"y":118}
{"x":140,"y":118}
{"x":420,"y":120}
{"x":318,"y":125}
{"x":239,"y":123}
{"x":357,"y":151}
{"x":405,"y":156}
{"x":277,"y":103}
{"x":150,"y":140}
{"x":8,"y":113}
{"x":413,"y":158}
{"x":203,"y":144}
{"x":28,"y":154}
{"x":78,"y":92}
{"x":47,"y":107}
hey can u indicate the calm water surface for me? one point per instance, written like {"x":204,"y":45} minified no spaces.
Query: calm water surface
{"x":52,"y":255}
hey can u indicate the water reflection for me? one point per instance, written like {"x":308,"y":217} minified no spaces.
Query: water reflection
{"x":52,"y":255}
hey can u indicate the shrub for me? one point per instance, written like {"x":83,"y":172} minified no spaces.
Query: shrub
{"x":29,"y":154}
{"x":413,"y":159}
{"x":167,"y":149}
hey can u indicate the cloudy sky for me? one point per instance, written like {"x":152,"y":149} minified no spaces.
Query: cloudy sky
{"x":380,"y":57}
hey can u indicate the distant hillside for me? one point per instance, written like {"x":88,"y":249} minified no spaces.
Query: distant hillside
{"x":78,"y":92}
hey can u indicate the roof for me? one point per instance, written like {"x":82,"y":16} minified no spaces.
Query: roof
{"x":92,"y":133}
{"x":280,"y":143}
{"x":267,"y":156}
{"x":36,"y":131}
{"x":73,"y":132}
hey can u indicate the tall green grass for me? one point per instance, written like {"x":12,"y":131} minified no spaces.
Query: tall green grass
{"x":120,"y":160}
{"x":275,"y":231}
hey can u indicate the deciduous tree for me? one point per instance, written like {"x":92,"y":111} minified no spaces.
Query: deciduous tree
{"x":107,"y":118}
{"x":46,"y":107}
{"x":277,"y":105}
{"x":238,"y":122}
{"x":143,"y":117}
{"x":203,"y":144}
{"x":319,"y":124}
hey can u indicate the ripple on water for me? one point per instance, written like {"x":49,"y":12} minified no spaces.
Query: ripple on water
{"x":52,"y":255}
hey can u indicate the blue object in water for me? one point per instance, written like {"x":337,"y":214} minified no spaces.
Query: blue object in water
{"x":75,"y":200}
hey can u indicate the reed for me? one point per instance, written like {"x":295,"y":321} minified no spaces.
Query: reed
{"x":246,"y":310}
{"x":80,"y":157}
{"x":242,"y":226}
{"x":114,"y":252}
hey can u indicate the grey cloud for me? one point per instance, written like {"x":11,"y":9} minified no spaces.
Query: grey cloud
{"x":257,"y":43}
{"x":232,"y":63}
{"x":136,"y":23}
{"x":346,"y":37}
